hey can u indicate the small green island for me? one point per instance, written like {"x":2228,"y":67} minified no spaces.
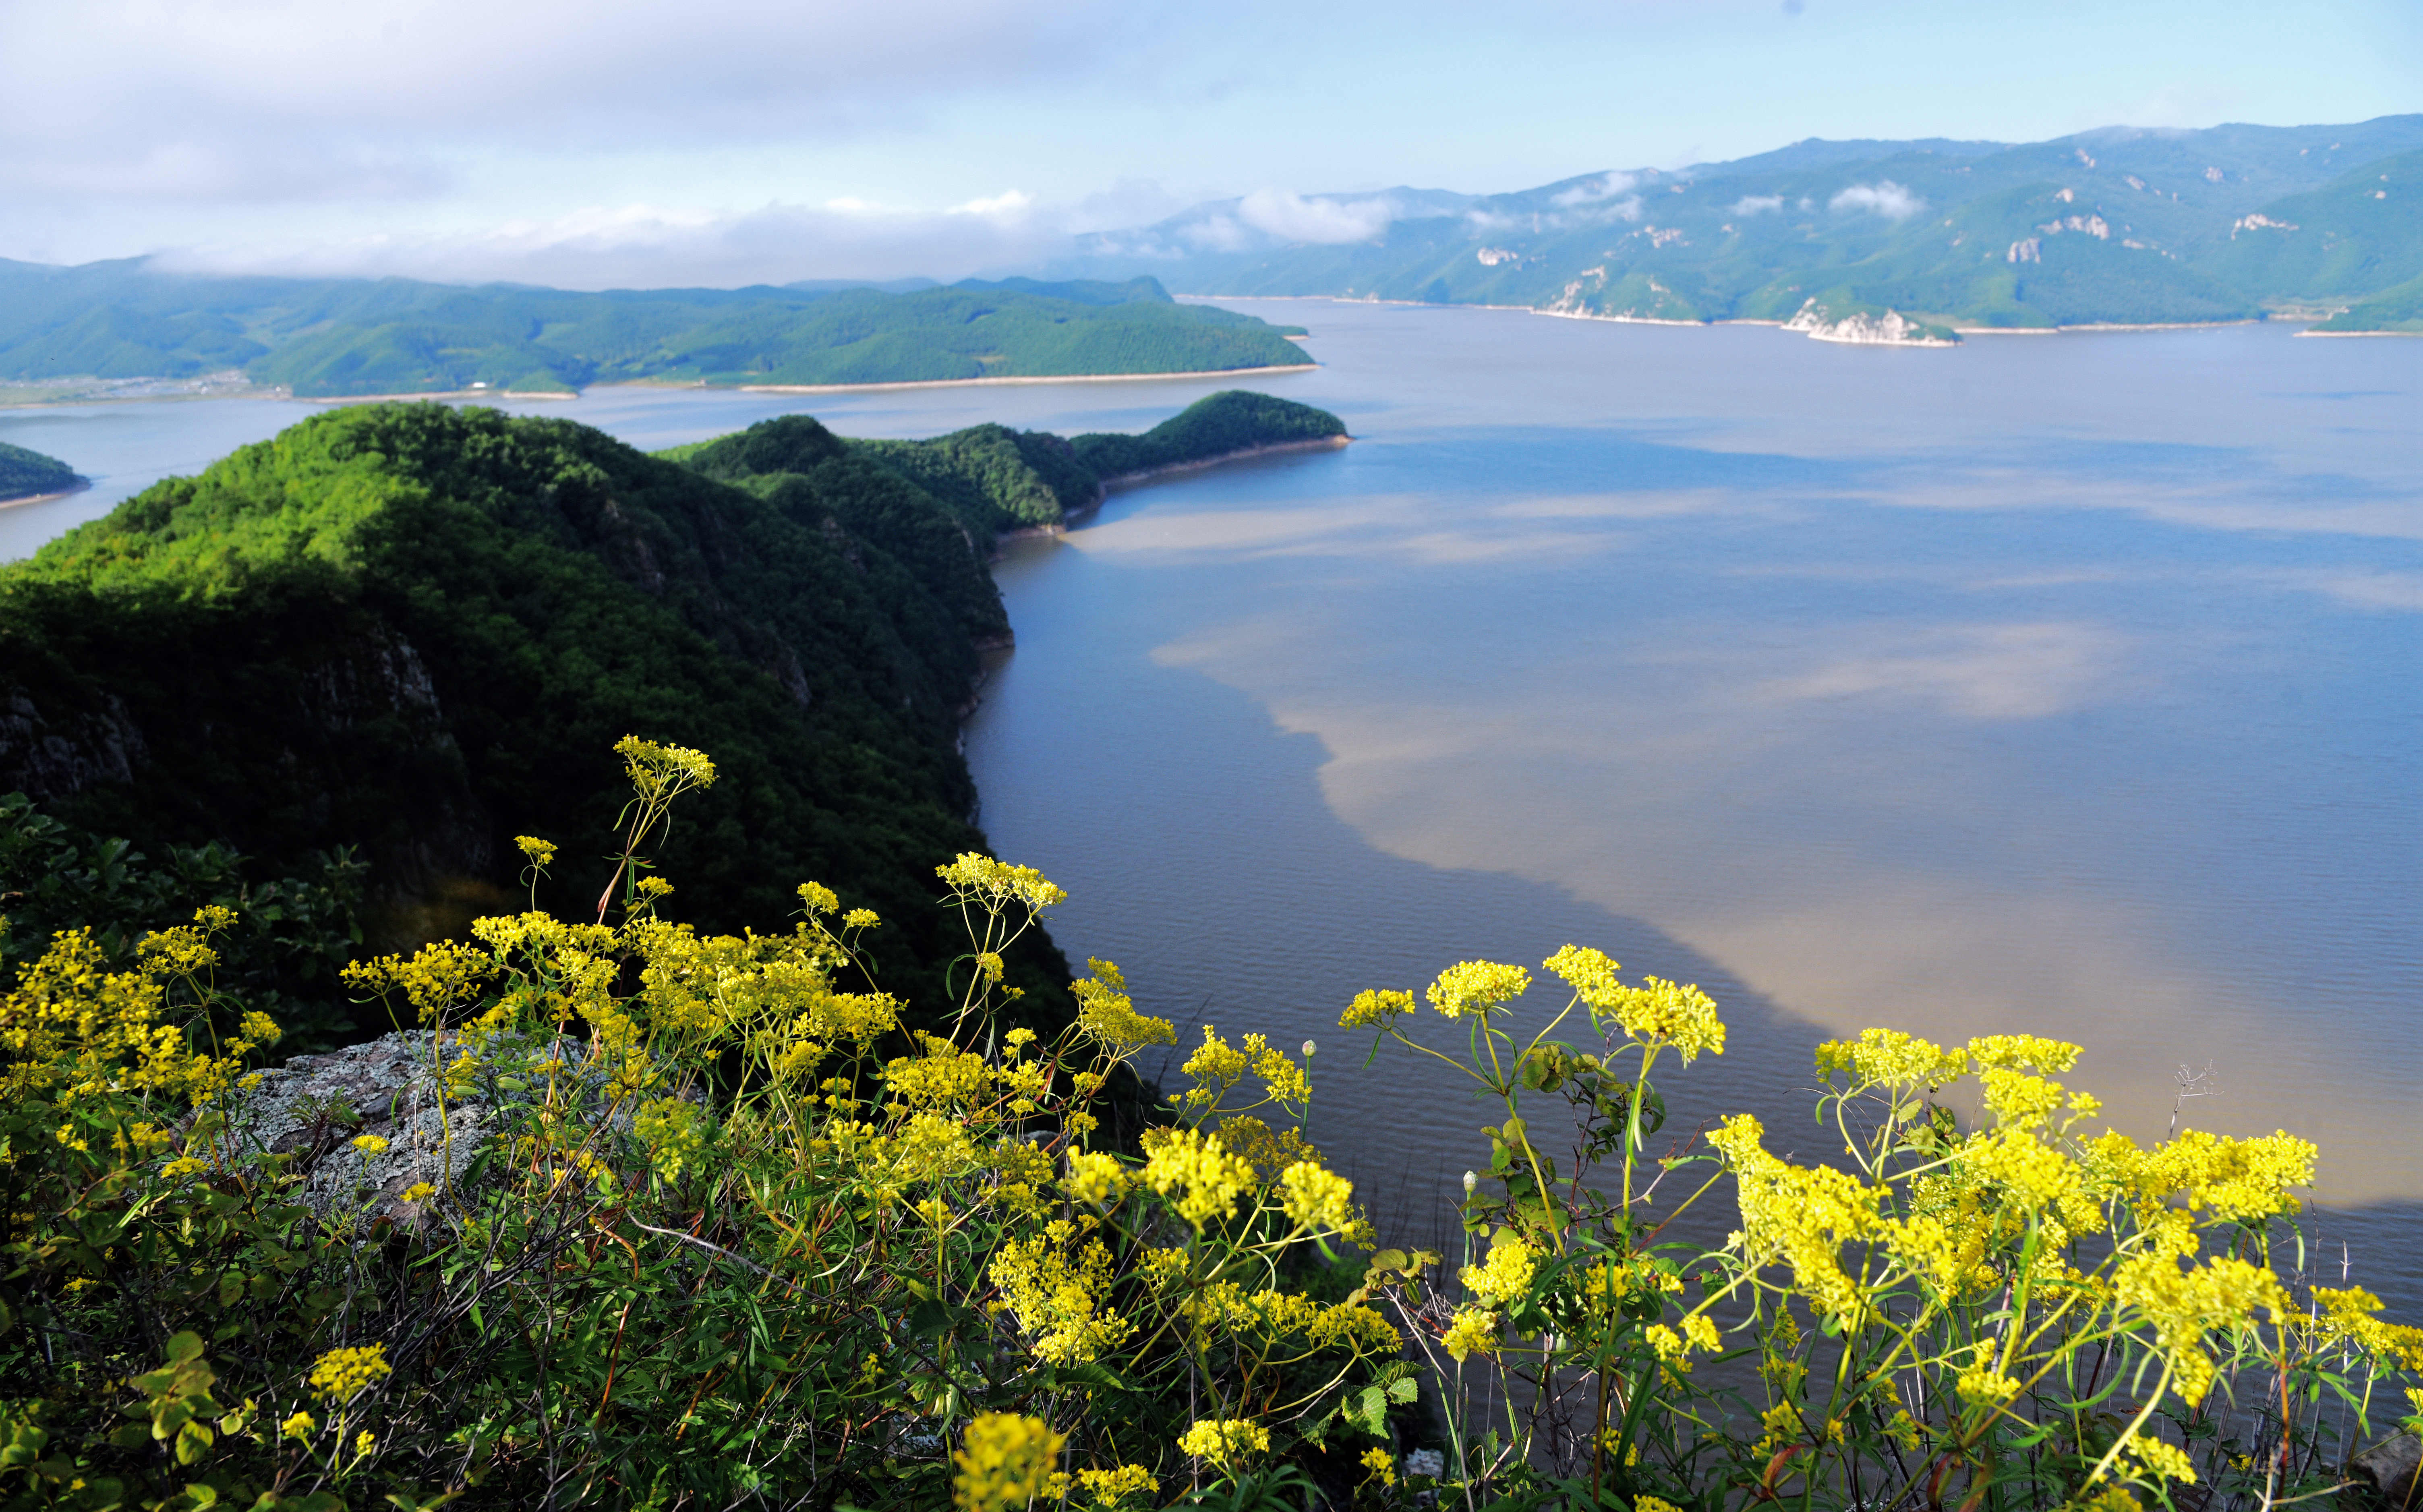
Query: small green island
{"x":26,"y":474}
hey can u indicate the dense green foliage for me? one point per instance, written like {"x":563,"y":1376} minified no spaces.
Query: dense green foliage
{"x":329,"y":338}
{"x":24,"y":473}
{"x":1219,"y":426}
{"x":996,"y":479}
{"x":284,"y":943}
{"x":2119,"y":226}
{"x":360,"y":633}
{"x":353,"y":633}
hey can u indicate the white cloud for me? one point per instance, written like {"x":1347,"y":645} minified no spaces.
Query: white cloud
{"x":1605,"y":186}
{"x":1885,"y":198}
{"x":1292,"y":217}
{"x":642,"y":246}
{"x":271,"y":101}
{"x":1758,"y":204}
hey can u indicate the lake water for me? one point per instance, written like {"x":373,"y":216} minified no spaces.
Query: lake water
{"x":2066,"y":685}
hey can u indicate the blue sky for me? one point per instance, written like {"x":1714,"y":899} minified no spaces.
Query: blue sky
{"x":726,"y":141}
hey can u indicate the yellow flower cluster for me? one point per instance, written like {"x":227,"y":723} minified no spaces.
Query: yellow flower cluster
{"x":674,"y":1130}
{"x":1506,"y":1276}
{"x":1659,"y":1012}
{"x":1206,"y":1178}
{"x":1109,"y":1488}
{"x":1476,"y":987}
{"x":1105,"y":1011}
{"x":1317,"y":1197}
{"x":1061,"y":1299}
{"x":1005,"y":1463}
{"x":660,"y":773}
{"x":978,"y":879}
{"x":1268,"y":1316}
{"x":338,"y":1375}
{"x":1378,"y":1010}
{"x":2349,"y":1314}
{"x":1472,"y":1330}
{"x":1225,"y":1441}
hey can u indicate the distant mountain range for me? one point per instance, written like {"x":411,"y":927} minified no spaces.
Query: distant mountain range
{"x":1866,"y":239}
{"x":326,"y":338}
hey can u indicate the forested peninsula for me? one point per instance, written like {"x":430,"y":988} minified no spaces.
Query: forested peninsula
{"x":337,"y":338}
{"x":29,"y":475}
{"x":370,"y":651}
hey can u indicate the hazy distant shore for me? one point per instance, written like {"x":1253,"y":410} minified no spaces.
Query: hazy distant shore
{"x":1657,"y":319}
{"x":982,"y":382}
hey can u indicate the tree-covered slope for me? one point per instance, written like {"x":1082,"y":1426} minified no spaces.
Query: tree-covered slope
{"x":419,"y":630}
{"x":2358,"y":235}
{"x":992,"y":478}
{"x":330,"y":338}
{"x":24,"y":473}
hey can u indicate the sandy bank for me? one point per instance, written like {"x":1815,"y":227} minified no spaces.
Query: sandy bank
{"x":982,"y":382}
{"x":435,"y":394}
{"x":81,"y":487}
{"x":2360,"y":333}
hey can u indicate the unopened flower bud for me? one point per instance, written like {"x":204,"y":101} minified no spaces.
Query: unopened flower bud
{"x":1308,"y":1049}
{"x":1470,"y":1183}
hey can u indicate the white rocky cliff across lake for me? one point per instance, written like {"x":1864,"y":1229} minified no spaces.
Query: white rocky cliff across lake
{"x":1891,"y":328}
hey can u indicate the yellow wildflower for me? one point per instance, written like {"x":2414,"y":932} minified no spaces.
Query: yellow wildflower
{"x":1225,"y":1441}
{"x":1316,"y":1197}
{"x":541,"y":853}
{"x":338,"y":1375}
{"x":1206,"y":1178}
{"x":1108,"y":1488}
{"x":1474,"y":1328}
{"x":1888,"y":1057}
{"x":1476,"y":987}
{"x":978,"y":879}
{"x":1376,"y":1460}
{"x":300,"y":1425}
{"x":1059,"y":1301}
{"x":1376,"y":1009}
{"x":2023,"y":1051}
{"x":1105,"y":1011}
{"x":1507,"y":1274}
{"x":1005,"y":1462}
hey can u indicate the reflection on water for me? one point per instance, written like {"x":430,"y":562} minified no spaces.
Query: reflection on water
{"x":2066,"y":685}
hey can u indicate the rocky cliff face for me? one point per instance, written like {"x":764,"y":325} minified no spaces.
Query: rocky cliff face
{"x":1864,"y":329}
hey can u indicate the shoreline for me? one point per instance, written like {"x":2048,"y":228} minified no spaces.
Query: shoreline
{"x":982,"y":382}
{"x":83,"y":486}
{"x":1654,"y":320}
{"x":1122,"y":481}
{"x":433,"y":396}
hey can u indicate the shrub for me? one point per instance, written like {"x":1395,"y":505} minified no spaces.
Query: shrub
{"x":733,"y":1236}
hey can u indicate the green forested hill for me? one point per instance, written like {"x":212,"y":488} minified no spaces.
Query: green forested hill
{"x":418,"y":630}
{"x":2117,"y":226}
{"x":24,"y":473}
{"x":2360,"y":235}
{"x":333,"y":337}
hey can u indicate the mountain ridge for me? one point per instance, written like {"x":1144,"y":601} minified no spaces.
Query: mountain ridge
{"x":2114,"y":226}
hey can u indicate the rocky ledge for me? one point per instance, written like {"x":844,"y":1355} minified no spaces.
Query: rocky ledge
{"x":1862,"y":328}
